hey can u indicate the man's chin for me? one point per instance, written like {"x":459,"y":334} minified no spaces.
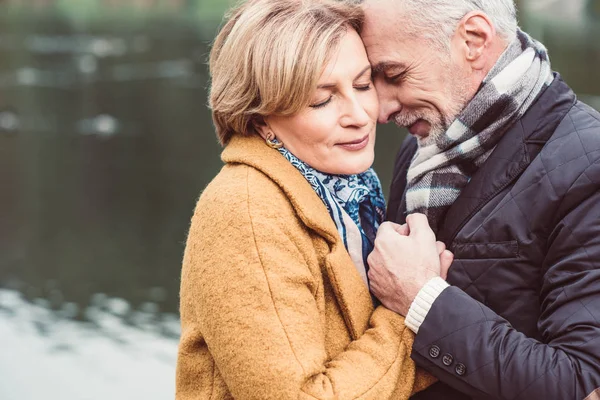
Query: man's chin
{"x":430,"y":138}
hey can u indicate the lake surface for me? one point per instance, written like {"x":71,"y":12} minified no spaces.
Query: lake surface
{"x":105,"y":144}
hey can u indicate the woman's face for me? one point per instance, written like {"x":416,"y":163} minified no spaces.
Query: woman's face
{"x":336,"y":133}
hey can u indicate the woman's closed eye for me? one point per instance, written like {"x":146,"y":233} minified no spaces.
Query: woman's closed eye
{"x":321,"y":104}
{"x":364,"y":87}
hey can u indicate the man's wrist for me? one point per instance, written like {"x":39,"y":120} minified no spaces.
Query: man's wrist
{"x":423,"y":301}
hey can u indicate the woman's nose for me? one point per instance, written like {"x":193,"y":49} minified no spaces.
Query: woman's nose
{"x":356,"y":114}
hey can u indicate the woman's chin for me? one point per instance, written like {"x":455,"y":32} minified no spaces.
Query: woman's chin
{"x":349,"y":166}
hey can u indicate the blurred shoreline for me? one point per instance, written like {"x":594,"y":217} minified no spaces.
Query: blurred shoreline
{"x":45,"y":355}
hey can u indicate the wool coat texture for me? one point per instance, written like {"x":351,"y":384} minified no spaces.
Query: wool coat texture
{"x":272,"y":306}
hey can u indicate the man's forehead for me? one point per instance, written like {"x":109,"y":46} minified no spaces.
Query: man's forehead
{"x":381,"y":11}
{"x":382,"y":48}
{"x":382,"y":23}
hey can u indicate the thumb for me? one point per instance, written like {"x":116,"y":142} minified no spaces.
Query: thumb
{"x":401,"y":229}
{"x":441,"y":246}
{"x":446,"y":259}
{"x":419,"y":225}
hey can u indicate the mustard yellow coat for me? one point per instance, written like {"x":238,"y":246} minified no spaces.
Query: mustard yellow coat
{"x":272,"y":306}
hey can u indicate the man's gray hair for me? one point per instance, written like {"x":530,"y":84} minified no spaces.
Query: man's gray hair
{"x":437,"y":20}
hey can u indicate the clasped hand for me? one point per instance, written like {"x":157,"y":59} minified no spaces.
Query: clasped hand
{"x":404,"y":259}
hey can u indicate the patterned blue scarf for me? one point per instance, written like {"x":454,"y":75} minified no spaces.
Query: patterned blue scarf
{"x":355,"y":203}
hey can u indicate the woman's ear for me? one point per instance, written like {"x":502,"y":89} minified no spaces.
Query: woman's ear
{"x":261,"y":127}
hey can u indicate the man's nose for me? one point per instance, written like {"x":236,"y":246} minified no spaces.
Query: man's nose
{"x":387,"y":108}
{"x":388,"y":104}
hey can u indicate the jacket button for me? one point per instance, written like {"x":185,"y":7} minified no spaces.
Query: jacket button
{"x":461,"y":369}
{"x":434,"y":351}
{"x":447,"y":360}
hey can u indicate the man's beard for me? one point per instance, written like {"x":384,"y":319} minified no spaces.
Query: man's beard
{"x":459,"y":94}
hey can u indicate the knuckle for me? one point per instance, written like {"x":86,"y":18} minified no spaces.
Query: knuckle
{"x":415,"y":217}
{"x":377,"y":245}
{"x":384,"y":227}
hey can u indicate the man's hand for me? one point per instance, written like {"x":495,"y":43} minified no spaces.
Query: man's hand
{"x":405,"y":258}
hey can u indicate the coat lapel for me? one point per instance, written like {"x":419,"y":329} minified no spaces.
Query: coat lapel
{"x":513,"y":154}
{"x":350,"y":290}
{"x":505,"y":163}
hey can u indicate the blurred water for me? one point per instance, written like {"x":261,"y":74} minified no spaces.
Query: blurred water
{"x":105,"y":145}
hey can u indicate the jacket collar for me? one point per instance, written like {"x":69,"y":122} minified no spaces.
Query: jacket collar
{"x":352,"y":294}
{"x":513,"y":154}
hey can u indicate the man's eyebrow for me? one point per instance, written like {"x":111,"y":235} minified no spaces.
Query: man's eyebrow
{"x":383,"y":65}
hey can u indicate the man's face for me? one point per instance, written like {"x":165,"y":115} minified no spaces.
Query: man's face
{"x":419,"y":86}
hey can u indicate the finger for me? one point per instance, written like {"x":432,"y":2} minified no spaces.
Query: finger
{"x":446,"y":259}
{"x":375,"y":289}
{"x":390,"y":228}
{"x":372,"y":275}
{"x":374,"y":286}
{"x":419,"y":225}
{"x":385,"y":228}
{"x":373,"y":259}
{"x":401,"y":229}
{"x":441,"y":246}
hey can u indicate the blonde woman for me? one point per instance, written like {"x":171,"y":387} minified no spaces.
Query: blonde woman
{"x":275,"y":302}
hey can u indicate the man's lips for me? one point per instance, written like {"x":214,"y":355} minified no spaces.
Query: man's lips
{"x":419,"y":128}
{"x":357,"y":144}
{"x":416,"y":126}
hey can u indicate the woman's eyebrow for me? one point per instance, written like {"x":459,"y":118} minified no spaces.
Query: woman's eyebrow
{"x":368,"y":67}
{"x":326,"y":86}
{"x":332,"y":85}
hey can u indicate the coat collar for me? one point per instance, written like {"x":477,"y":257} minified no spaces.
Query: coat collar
{"x":352,"y":294}
{"x":252,"y":151}
{"x":513,"y":154}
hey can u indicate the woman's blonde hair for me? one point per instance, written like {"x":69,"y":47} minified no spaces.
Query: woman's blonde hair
{"x":268,"y":57}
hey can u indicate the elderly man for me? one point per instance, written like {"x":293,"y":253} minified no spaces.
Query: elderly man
{"x":503,"y":162}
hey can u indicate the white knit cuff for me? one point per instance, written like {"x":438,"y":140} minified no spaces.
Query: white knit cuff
{"x":423,"y":302}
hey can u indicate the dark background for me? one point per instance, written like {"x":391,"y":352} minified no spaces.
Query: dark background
{"x":106,"y":141}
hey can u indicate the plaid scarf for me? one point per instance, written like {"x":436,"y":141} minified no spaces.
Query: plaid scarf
{"x":355,"y":203}
{"x":439,"y":172}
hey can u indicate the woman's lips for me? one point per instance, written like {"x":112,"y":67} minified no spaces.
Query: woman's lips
{"x":355,"y":145}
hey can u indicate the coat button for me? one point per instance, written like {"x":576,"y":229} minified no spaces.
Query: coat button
{"x":461,"y":369}
{"x":434,"y":351}
{"x":447,"y":360}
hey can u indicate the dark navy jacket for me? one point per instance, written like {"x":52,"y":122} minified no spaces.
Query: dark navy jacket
{"x":522,"y":318}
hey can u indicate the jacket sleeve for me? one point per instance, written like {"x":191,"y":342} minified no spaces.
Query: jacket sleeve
{"x":252,"y":298}
{"x":471,"y":348}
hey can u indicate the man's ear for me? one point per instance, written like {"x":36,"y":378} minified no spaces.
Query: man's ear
{"x":477,"y":34}
{"x":261,"y":127}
